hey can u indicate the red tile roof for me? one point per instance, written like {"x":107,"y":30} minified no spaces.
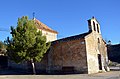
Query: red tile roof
{"x":42,"y":26}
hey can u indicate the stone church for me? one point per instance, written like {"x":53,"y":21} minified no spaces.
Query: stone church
{"x":82,"y":53}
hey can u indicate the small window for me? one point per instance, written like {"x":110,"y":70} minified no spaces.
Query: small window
{"x":83,"y":42}
{"x":97,"y":28}
{"x":94,"y":26}
{"x":98,"y":40}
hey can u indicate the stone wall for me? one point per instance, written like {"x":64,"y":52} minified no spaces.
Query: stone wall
{"x":68,"y":54}
{"x":92,"y":52}
{"x":13,"y":65}
{"x":26,"y":65}
{"x":95,"y":45}
{"x":49,"y":35}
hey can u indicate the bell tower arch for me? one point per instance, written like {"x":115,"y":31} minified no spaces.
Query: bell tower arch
{"x":94,"y":25}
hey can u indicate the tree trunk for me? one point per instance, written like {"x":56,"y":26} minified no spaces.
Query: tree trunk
{"x":33,"y":66}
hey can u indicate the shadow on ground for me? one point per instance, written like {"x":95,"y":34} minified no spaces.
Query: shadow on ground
{"x":8,"y":71}
{"x":13,"y":71}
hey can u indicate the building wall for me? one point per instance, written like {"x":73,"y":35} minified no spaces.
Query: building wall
{"x":96,"y":48}
{"x":92,"y":59}
{"x":22,"y":65}
{"x":93,"y":48}
{"x":26,"y":65}
{"x":68,"y":54}
{"x":43,"y":64}
{"x":49,"y":35}
{"x":79,"y":55}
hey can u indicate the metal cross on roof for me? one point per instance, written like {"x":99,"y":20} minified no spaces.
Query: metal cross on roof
{"x":33,"y":15}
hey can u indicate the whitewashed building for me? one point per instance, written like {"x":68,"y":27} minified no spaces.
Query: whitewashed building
{"x":50,"y":34}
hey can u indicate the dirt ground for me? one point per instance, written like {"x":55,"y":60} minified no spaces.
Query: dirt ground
{"x":107,"y":75}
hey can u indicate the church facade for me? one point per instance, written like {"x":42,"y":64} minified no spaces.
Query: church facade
{"x":83,"y":53}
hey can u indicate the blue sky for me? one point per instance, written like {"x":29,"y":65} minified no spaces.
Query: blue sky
{"x":68,"y":17}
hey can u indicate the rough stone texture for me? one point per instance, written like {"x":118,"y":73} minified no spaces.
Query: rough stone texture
{"x":96,"y":45}
{"x":42,"y":65}
{"x":93,"y":49}
{"x":68,"y":54}
{"x":92,"y":59}
{"x":22,"y":65}
{"x":88,"y":53}
{"x":78,"y":54}
{"x":26,"y":65}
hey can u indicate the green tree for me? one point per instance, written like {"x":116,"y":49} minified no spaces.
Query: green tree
{"x":26,"y":44}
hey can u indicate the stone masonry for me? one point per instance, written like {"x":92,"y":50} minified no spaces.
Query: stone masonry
{"x":68,"y":54}
{"x":84,"y":53}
